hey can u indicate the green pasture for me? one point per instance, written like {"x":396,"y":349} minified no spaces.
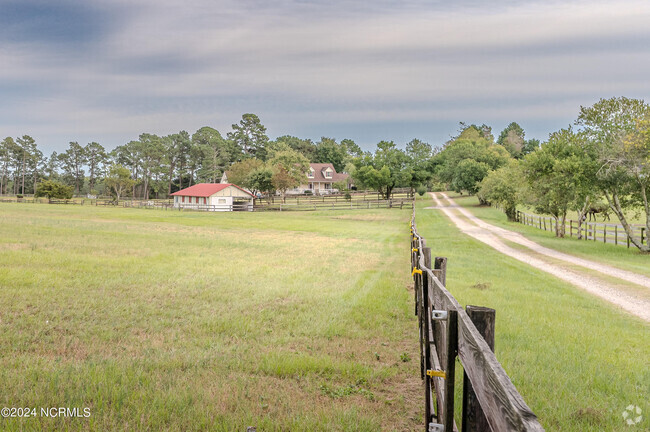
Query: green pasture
{"x":177,"y":321}
{"x":577,"y":360}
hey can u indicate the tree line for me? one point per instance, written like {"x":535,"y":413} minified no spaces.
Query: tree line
{"x":158,"y":165}
{"x":602,"y":160}
{"x":155,"y":166}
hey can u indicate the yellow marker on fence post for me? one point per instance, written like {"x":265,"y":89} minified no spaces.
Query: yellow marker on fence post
{"x":416,"y":270}
{"x":414,"y":250}
{"x":436,"y":373}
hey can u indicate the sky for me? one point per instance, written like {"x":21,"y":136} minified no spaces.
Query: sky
{"x":108,"y":70}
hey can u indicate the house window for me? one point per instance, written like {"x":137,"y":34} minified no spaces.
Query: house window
{"x":310,"y":174}
{"x":328,"y":186}
{"x":204,"y":201}
{"x":221,"y":201}
{"x":182,"y":199}
{"x":328,"y":173}
{"x":311,"y":186}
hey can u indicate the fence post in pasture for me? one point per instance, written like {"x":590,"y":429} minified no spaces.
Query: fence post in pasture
{"x":605,"y":234}
{"x":441,"y":264}
{"x":426,"y":328}
{"x":450,"y":368}
{"x":643,"y":235}
{"x":473,"y":417}
{"x":570,"y":227}
{"x":595,"y":230}
{"x":615,"y":234}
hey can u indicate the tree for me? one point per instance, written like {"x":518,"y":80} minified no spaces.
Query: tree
{"x":421,"y":170}
{"x":468,"y":175}
{"x":505,"y":187}
{"x":289,"y":170}
{"x":385,"y":170}
{"x":217,"y":153}
{"x":303,"y":146}
{"x":260,"y":180}
{"x":239,"y":172}
{"x":512,"y":138}
{"x":53,"y":189}
{"x":27,"y":148}
{"x":176,"y":147}
{"x":150,"y":149}
{"x":470,"y":144}
{"x":119,"y":180}
{"x":530,"y":146}
{"x":250,"y":136}
{"x":72,"y":162}
{"x":616,"y":130}
{"x":8,"y":148}
{"x":559,"y":176}
{"x":95,"y":157}
{"x":351,"y":147}
{"x":329,"y":151}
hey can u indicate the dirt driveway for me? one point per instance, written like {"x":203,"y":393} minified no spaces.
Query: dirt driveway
{"x":597,"y":281}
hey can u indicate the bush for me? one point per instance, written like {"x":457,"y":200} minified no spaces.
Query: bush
{"x":308,"y":192}
{"x":19,"y":196}
{"x":421,"y":190}
{"x":53,"y":189}
{"x":348,"y":197}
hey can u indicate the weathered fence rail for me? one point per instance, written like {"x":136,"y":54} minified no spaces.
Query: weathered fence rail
{"x":592,"y":231}
{"x":337,"y":205}
{"x":490,"y":400}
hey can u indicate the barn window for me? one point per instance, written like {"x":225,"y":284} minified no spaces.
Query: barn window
{"x":204,"y":201}
{"x":222,"y":200}
{"x":182,"y":199}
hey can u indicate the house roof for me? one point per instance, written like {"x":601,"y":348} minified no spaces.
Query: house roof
{"x":319,"y":173}
{"x":206,"y":189}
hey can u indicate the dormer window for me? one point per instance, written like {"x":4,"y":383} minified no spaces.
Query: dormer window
{"x":328,"y":173}
{"x":310,"y":174}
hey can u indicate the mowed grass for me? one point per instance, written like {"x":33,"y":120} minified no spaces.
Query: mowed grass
{"x":192,"y":321}
{"x":577,"y":361}
{"x":618,"y":256}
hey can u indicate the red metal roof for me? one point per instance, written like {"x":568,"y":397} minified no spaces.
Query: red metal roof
{"x":206,"y":189}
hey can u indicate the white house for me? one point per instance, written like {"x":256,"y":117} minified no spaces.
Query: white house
{"x":214,"y":197}
{"x":320,"y":179}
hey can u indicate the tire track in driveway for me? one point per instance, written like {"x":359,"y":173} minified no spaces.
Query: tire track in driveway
{"x":494,"y":237}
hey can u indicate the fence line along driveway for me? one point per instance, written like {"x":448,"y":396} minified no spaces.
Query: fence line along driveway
{"x":595,"y":231}
{"x":637,"y":304}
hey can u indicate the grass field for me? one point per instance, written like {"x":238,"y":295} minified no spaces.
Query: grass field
{"x":577,"y":361}
{"x":191,"y":321}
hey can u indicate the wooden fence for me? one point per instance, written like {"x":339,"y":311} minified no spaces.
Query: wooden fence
{"x":490,"y":400}
{"x":592,"y":231}
{"x":336,"y":205}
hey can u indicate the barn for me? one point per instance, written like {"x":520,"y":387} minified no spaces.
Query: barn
{"x":214,"y":197}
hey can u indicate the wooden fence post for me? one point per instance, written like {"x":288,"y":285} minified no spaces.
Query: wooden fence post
{"x":473,"y":417}
{"x":426,"y":316}
{"x":450,"y":379}
{"x":441,"y":264}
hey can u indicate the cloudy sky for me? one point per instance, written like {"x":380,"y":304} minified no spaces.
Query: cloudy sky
{"x":108,"y":70}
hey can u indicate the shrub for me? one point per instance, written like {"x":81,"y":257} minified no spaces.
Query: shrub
{"x":53,"y":189}
{"x":348,"y":197}
{"x":421,"y":190}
